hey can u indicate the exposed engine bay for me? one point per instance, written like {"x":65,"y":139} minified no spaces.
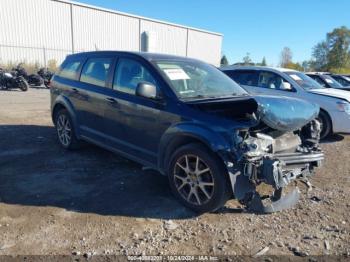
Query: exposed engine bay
{"x":281,"y":147}
{"x":276,"y":159}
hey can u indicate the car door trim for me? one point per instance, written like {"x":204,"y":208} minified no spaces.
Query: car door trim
{"x":116,"y":140}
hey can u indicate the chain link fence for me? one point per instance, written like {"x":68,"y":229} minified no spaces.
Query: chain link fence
{"x":40,"y":56}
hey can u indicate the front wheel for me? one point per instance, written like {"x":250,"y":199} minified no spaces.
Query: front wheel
{"x":23,"y":85}
{"x":198,"y":178}
{"x":326,"y":125}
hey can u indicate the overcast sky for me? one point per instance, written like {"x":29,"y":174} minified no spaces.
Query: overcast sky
{"x":261,"y":28}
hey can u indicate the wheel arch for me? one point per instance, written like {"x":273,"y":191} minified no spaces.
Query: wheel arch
{"x":63,"y":103}
{"x":184,"y":134}
{"x":329,"y":117}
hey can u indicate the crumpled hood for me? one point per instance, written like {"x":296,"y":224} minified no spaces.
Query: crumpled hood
{"x":281,"y":113}
{"x":332,"y":92}
{"x":285,"y":113}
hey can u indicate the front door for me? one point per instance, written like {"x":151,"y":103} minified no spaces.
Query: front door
{"x":132,"y":123}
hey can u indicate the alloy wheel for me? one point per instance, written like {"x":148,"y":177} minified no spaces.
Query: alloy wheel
{"x":194,"y":180}
{"x":64,"y":130}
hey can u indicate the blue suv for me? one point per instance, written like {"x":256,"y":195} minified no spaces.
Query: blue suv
{"x":189,"y":121}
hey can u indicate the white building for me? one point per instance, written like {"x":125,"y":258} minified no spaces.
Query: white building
{"x":40,"y":30}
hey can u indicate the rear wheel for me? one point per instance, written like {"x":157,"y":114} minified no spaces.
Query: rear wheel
{"x":326,"y":124}
{"x":198,"y":178}
{"x":65,"y":130}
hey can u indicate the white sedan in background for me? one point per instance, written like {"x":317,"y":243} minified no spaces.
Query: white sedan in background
{"x":334,"y":103}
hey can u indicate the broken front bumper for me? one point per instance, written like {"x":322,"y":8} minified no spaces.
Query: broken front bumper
{"x":277,"y":170}
{"x":300,"y":158}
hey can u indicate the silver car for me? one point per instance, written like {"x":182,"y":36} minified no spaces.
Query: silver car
{"x":335,"y":104}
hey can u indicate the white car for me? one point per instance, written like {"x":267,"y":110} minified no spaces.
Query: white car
{"x":335,"y":104}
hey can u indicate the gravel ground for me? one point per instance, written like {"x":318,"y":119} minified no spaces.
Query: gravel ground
{"x":94,"y":202}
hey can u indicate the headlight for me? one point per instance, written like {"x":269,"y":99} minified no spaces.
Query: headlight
{"x":258,"y":146}
{"x":344,"y":107}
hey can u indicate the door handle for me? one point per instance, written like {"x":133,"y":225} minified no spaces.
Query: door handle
{"x":111,"y":100}
{"x":75,"y":90}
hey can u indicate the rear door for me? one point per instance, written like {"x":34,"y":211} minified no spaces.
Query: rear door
{"x":66,"y":83}
{"x":95,"y":80}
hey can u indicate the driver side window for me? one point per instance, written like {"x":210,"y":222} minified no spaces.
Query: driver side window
{"x":129,"y":73}
{"x":273,"y":81}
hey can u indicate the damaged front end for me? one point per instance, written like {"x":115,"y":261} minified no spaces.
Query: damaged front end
{"x":279,"y":146}
{"x":277,"y":152}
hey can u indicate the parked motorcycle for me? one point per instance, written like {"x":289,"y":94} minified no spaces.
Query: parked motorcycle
{"x":33,"y":79}
{"x":8,"y":81}
{"x":45,"y":74}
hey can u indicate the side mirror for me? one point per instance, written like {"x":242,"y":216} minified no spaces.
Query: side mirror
{"x":286,"y":86}
{"x":147,"y":90}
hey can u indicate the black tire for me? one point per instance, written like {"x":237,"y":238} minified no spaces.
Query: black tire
{"x":47,"y":84}
{"x":23,"y":85}
{"x":72,"y":141}
{"x":219,"y":192}
{"x":326,"y":124}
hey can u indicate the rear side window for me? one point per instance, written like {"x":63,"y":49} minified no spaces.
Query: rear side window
{"x":243,"y":77}
{"x":69,"y":70}
{"x":271,"y":80}
{"x":95,"y":71}
{"x":129,"y":73}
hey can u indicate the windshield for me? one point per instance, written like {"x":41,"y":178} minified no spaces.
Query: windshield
{"x":303,"y":80}
{"x":196,"y":80}
{"x":343,"y":80}
{"x":330,"y":81}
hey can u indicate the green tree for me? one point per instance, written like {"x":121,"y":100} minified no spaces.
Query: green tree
{"x":263,"y":62}
{"x":320,"y":56}
{"x":224,"y":61}
{"x":295,"y":66}
{"x":306,"y":65}
{"x":338,"y":42}
{"x":333,"y":54}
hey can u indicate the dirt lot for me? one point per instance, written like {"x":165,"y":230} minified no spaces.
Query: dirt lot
{"x":94,"y":202}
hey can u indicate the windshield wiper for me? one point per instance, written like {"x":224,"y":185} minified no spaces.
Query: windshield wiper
{"x":217,"y":97}
{"x":243,"y":94}
{"x":197,"y":96}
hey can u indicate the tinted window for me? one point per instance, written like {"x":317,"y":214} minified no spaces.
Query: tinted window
{"x":318,"y":80}
{"x":69,"y":70}
{"x":249,"y":78}
{"x":95,"y":71}
{"x":129,"y":73}
{"x":340,"y":80}
{"x":272,"y":81}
